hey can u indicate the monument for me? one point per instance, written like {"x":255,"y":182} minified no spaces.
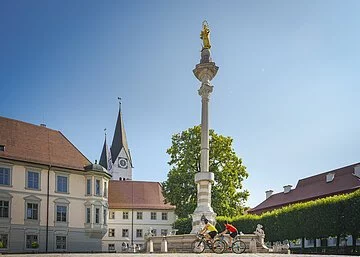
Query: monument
{"x":205,"y":71}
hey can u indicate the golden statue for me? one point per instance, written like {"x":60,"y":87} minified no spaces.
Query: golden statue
{"x":205,"y":35}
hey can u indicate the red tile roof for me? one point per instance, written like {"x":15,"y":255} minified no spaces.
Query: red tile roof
{"x":136,"y":195}
{"x":313,"y":188}
{"x":37,"y":144}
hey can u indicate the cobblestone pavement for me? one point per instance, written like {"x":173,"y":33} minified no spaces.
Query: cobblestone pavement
{"x":171,"y":255}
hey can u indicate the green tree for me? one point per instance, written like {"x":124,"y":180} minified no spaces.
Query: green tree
{"x":180,"y":190}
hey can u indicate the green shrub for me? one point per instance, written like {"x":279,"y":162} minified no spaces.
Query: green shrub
{"x":321,"y":218}
{"x":184,"y":226}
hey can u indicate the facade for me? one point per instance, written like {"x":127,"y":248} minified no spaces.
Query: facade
{"x":334,"y":182}
{"x":135,"y":208}
{"x":52,"y":198}
{"x":117,"y":159}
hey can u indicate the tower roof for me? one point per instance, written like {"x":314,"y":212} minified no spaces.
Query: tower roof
{"x":119,"y":140}
{"x":103,"y":159}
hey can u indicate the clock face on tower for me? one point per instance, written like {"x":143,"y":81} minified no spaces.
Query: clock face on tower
{"x":122,"y":163}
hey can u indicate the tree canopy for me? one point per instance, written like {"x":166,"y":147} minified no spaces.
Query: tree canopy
{"x":179,"y":189}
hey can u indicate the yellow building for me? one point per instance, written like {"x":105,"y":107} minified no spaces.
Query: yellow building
{"x":52,"y":198}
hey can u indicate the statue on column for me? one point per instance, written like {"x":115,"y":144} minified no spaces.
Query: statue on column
{"x":205,"y":36}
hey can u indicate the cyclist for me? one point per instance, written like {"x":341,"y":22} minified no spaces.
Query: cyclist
{"x":212,"y":231}
{"x":231,"y":230}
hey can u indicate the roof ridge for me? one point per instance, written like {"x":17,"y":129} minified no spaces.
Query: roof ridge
{"x":142,"y":181}
{"x":28,"y":123}
{"x":326,"y":172}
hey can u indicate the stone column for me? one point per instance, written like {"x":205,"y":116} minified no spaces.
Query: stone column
{"x":205,"y":71}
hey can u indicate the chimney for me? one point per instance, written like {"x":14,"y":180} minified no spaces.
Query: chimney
{"x":43,"y":125}
{"x":268,"y":193}
{"x":287,"y":189}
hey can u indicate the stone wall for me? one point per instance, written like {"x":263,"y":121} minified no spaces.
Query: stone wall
{"x":182,"y":243}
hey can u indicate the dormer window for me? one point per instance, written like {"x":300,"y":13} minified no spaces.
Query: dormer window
{"x":2,"y":148}
{"x":357,"y":171}
{"x":330,"y":177}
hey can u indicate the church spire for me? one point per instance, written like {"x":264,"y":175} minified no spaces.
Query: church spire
{"x":105,"y":158}
{"x":120,"y":152}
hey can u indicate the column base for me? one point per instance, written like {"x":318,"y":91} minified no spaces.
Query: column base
{"x":197,"y":224}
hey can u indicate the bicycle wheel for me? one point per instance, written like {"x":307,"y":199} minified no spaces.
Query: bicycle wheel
{"x":218,"y":246}
{"x":198,"y":246}
{"x":238,"y":246}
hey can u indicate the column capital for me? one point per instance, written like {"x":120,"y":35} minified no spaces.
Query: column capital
{"x":205,"y":72}
{"x":205,"y":90}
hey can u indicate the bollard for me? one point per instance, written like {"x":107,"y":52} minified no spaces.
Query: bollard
{"x":252,"y":246}
{"x":164,"y":245}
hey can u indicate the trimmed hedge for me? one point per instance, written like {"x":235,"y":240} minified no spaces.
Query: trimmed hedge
{"x":330,"y":216}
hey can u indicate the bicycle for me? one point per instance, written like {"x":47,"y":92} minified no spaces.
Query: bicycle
{"x":238,"y":246}
{"x":200,"y":243}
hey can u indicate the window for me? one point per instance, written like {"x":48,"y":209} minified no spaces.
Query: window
{"x":4,"y":209}
{"x":111,"y":232}
{"x":310,"y":241}
{"x":32,"y":241}
{"x":32,"y":211}
{"x":105,"y":189}
{"x":125,"y":232}
{"x":111,"y":247}
{"x":97,"y":215}
{"x":2,"y":148}
{"x":60,"y":242}
{"x":61,"y":213}
{"x":33,"y":180}
{"x":139,"y":233}
{"x":111,"y":215}
{"x":4,"y":176}
{"x":164,"y":216}
{"x":62,"y":184}
{"x":88,"y":214}
{"x":153,"y":215}
{"x":105,"y":216}
{"x":164,"y":232}
{"x":88,"y":186}
{"x":139,"y":215}
{"x":4,"y":240}
{"x":125,"y":215}
{"x":97,"y":187}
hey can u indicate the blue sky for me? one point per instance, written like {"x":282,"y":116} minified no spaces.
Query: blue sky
{"x":287,"y":89}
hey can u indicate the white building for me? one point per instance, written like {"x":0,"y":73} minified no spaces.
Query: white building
{"x":52,"y":198}
{"x":134,"y":208}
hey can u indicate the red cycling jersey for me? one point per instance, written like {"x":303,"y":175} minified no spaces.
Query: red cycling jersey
{"x":230,"y":228}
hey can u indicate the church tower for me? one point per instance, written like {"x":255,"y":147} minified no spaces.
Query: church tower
{"x":117,"y":160}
